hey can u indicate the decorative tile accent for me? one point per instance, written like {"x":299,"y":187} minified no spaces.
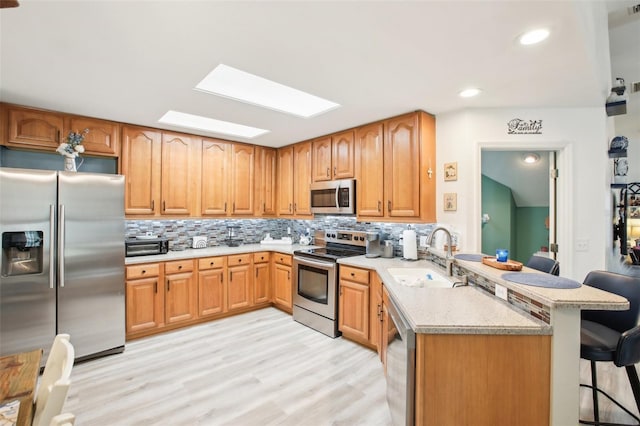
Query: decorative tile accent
{"x":180,"y":232}
{"x":521,"y":302}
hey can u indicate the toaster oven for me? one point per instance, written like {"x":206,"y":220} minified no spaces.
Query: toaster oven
{"x":146,"y":247}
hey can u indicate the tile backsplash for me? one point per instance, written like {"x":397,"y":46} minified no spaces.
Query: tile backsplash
{"x":251,"y":231}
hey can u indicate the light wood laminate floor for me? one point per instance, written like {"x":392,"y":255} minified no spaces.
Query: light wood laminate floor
{"x":259,"y":368}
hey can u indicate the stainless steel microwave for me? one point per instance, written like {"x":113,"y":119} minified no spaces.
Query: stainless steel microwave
{"x":334,"y":197}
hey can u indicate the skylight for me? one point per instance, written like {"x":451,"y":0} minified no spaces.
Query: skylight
{"x":244,"y":87}
{"x":198,"y":122}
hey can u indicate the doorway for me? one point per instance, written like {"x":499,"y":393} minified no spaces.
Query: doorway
{"x":518,"y":199}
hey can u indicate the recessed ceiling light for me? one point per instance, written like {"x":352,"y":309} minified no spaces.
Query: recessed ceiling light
{"x":533,"y":37}
{"x":531,"y":158}
{"x":469,"y":93}
{"x":252,"y":89}
{"x":198,"y":122}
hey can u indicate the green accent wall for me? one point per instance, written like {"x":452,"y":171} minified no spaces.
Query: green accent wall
{"x":500,"y":231}
{"x":531,"y":231}
{"x":519,"y":229}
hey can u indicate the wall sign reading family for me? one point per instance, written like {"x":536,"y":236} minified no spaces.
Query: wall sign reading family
{"x":518,"y":126}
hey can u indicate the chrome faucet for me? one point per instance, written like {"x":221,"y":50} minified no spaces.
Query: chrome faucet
{"x":449,"y":257}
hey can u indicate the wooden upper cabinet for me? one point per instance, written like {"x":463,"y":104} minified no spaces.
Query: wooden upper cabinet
{"x":265,"y":181}
{"x":227,"y":178}
{"x":322,"y":168}
{"x":285,"y":181}
{"x":369,"y":170}
{"x":34,"y":128}
{"x":102,"y":139}
{"x":343,"y":155}
{"x":302,"y":179}
{"x":394,"y":161}
{"x":242,"y":189}
{"x":216,"y":168}
{"x":333,"y":157}
{"x":402,"y":166}
{"x":141,"y":158}
{"x":178,"y":170}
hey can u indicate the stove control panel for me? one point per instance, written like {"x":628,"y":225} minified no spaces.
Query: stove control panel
{"x":342,"y":236}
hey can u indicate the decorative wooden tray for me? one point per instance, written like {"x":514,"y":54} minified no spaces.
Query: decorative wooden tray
{"x":509,"y":265}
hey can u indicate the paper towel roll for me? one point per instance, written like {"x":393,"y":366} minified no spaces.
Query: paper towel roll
{"x":409,"y":245}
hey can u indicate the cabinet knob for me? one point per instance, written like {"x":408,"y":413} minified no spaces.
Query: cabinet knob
{"x":144,"y":271}
{"x":211,"y":264}
{"x":239,"y":260}
{"x":353,"y":275}
{"x":180,"y":267}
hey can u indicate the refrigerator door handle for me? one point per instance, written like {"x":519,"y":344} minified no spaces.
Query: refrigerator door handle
{"x":61,"y":245}
{"x":52,"y":254}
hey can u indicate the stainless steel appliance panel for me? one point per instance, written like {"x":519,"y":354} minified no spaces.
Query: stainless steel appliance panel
{"x":333,"y":197}
{"x":314,"y":284}
{"x":401,"y":364}
{"x":91,"y":271}
{"x":27,"y":301}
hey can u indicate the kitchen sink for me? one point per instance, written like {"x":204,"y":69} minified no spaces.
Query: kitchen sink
{"x":419,"y":277}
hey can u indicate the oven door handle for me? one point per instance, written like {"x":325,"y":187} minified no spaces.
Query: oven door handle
{"x":318,"y":264}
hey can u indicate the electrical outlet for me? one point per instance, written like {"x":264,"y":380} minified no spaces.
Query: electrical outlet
{"x":501,"y":292}
{"x":423,"y":240}
{"x":582,"y":244}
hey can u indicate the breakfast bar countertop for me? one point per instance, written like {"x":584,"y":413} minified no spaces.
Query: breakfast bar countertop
{"x":470,"y":310}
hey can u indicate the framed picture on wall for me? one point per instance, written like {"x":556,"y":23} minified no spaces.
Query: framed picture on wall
{"x":451,"y":171}
{"x":450,"y":201}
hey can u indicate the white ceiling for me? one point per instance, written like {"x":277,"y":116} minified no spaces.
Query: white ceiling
{"x":131,"y":61}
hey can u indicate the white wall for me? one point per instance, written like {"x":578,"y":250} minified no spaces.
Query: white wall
{"x":580,"y":136}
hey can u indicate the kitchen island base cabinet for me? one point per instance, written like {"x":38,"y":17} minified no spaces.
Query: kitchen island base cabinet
{"x":482,"y":380}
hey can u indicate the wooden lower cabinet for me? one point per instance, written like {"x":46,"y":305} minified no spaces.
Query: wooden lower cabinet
{"x":144,"y":298}
{"x":240,"y":282}
{"x":482,"y":380}
{"x":282,"y":283}
{"x":360,"y":306}
{"x":211,"y":289}
{"x":181,"y":300}
{"x":375,"y":312}
{"x":262,"y":278}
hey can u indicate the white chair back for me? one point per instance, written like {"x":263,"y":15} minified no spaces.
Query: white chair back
{"x":66,"y":419}
{"x":55,"y":381}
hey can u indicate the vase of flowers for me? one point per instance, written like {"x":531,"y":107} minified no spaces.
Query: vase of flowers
{"x":71,"y":148}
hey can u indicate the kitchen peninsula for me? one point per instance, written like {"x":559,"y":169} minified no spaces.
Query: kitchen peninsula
{"x":480,"y":343}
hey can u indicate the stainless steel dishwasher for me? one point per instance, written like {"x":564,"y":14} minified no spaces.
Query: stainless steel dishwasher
{"x":401,"y":366}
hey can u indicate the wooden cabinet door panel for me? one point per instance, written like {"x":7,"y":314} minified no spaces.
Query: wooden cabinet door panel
{"x":285,"y":181}
{"x":102,"y":138}
{"x":211,"y":295}
{"x":144,"y":304}
{"x":302,"y":179}
{"x":282,"y":291}
{"x":262,"y":282}
{"x":370,"y":170}
{"x":181,"y":299}
{"x":177,"y":172}
{"x":35,"y":128}
{"x":353,"y":316}
{"x":242,"y":181}
{"x":322,"y":159}
{"x":239,"y":287}
{"x":375,"y":312}
{"x":343,"y":155}
{"x":402,"y":167}
{"x":265,"y":181}
{"x":216,"y":168}
{"x":141,"y":157}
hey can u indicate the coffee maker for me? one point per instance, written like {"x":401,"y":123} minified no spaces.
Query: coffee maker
{"x":374,"y":245}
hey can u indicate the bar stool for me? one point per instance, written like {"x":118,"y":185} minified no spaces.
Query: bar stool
{"x":544,"y":264}
{"x":612,"y":336}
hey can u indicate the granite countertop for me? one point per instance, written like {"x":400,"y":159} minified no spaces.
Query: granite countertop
{"x":585,"y":297}
{"x":460,"y":310}
{"x":215,"y":251}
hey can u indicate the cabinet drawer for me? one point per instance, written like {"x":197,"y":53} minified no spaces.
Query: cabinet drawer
{"x":261,"y":257}
{"x":143,"y":271}
{"x":283,"y":259}
{"x":239,"y":259}
{"x":211,"y":263}
{"x":354,"y":274}
{"x":178,"y":266}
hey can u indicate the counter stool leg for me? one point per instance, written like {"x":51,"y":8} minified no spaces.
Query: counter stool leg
{"x":594,"y":390}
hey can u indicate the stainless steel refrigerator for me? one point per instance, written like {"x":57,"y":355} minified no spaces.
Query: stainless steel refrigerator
{"x":62,"y":263}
